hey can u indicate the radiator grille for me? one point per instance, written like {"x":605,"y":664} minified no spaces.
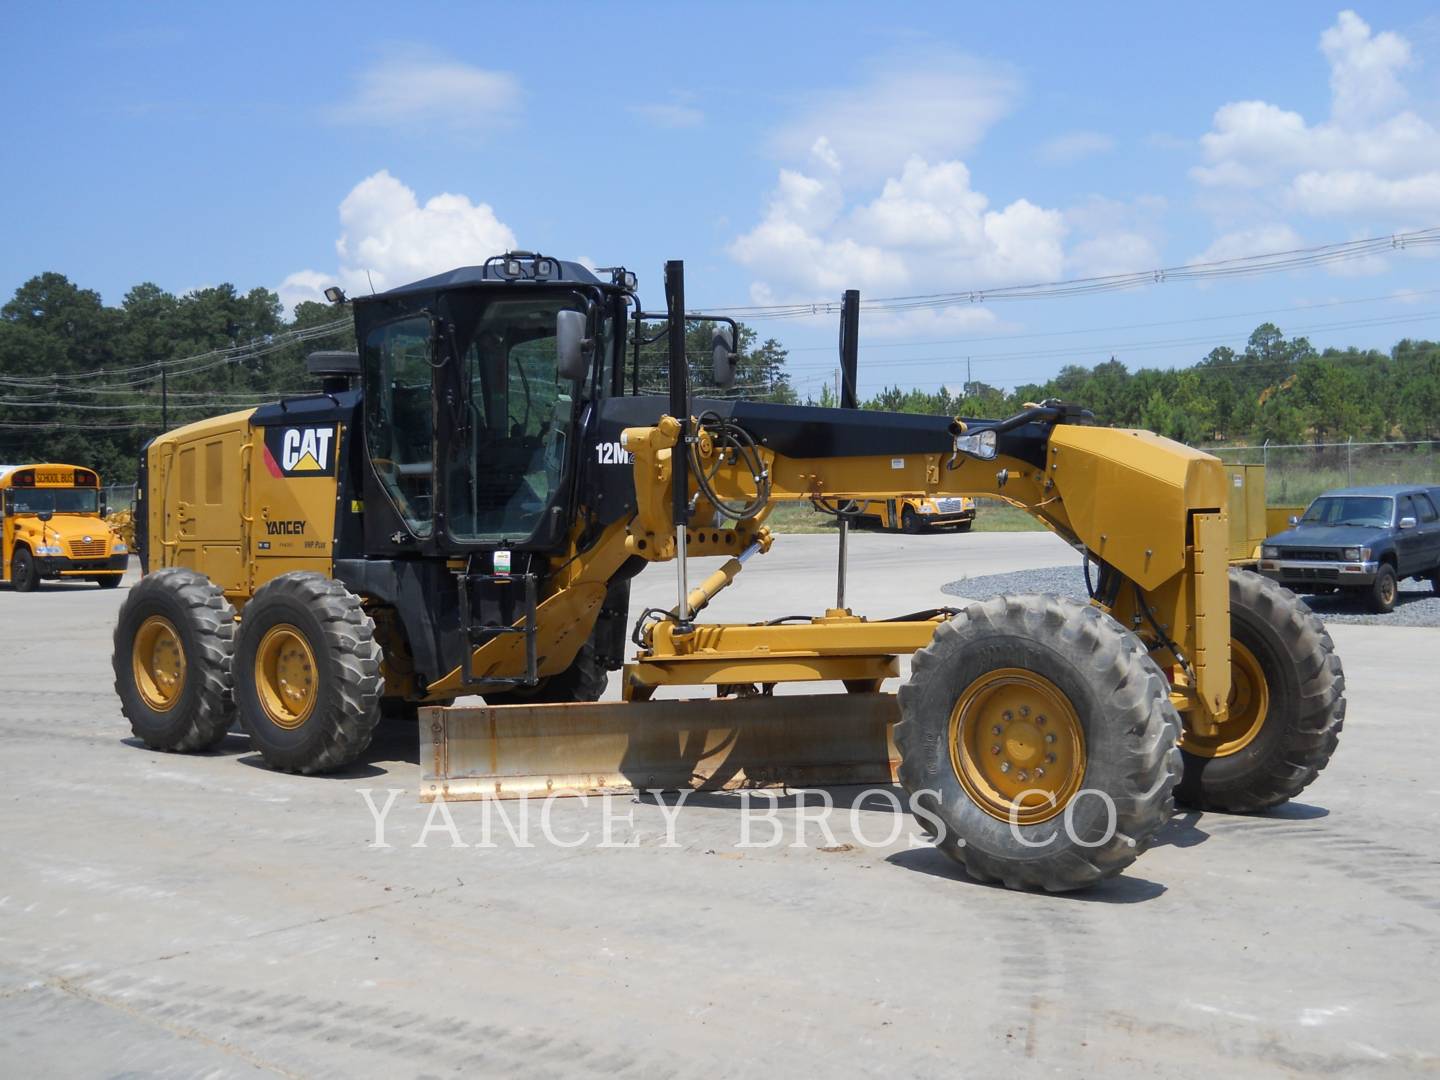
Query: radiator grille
{"x":93,"y":549}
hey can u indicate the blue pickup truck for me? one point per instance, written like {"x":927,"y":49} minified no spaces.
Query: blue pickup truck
{"x":1363,"y":541}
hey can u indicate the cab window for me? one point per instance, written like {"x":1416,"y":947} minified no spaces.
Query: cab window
{"x":399,"y":424}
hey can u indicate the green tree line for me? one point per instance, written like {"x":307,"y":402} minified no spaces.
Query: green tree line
{"x":54,"y":333}
{"x":1276,"y":388}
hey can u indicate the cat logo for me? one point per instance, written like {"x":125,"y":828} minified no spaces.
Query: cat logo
{"x":300,"y":451}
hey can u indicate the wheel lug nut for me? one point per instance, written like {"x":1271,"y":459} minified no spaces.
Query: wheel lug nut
{"x":1024,"y":710}
{"x":996,"y":730}
{"x":1004,"y":766}
{"x":994,"y":749}
{"x":1022,"y":775}
{"x":1050,"y":758}
{"x":1007,"y":716}
{"x":1039,"y":772}
{"x":1050,"y":738}
{"x":1040,"y":719}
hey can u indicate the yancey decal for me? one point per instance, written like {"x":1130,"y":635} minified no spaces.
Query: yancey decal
{"x":300,"y":451}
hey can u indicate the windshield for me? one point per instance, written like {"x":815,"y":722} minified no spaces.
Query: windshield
{"x":513,"y":417}
{"x":54,"y":501}
{"x":1373,"y":510}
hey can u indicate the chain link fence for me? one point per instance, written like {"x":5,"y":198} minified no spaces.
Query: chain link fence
{"x":1295,"y":473}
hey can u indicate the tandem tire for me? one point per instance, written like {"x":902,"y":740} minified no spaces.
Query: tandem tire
{"x":1039,"y":735}
{"x":173,"y":646}
{"x":23,"y":573}
{"x":1287,"y":704}
{"x":1381,"y":595}
{"x":584,"y":680}
{"x":307,"y":674}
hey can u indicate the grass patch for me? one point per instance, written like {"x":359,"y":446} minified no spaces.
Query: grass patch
{"x":799,"y":517}
{"x":991,"y":515}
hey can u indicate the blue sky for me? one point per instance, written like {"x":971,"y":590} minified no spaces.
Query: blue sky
{"x":785,"y":151}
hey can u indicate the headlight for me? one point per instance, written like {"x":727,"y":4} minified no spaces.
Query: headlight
{"x":47,"y":549}
{"x":1269,"y":551}
{"x":1356,"y":554}
{"x":121,"y":549}
{"x":980,"y":445}
{"x":927,"y":508}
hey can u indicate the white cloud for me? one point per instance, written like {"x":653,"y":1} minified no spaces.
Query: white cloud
{"x":1372,"y":158}
{"x":1363,"y":68}
{"x":671,"y":115}
{"x":388,"y":238}
{"x":1072,"y":147}
{"x":1257,"y":241}
{"x":416,"y":86}
{"x":926,"y":229}
{"x":1115,"y":236}
{"x":934,"y":106}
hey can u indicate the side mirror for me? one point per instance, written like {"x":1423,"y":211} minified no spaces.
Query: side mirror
{"x":1294,"y":519}
{"x":1407,"y":523}
{"x":572,"y":359}
{"x":722,"y":344}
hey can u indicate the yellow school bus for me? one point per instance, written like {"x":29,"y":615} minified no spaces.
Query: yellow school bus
{"x":52,"y":526}
{"x":915,"y":515}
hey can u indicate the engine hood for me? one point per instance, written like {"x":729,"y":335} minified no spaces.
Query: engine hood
{"x":1328,"y":536}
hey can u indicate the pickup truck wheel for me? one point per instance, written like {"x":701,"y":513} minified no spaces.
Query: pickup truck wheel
{"x":1287,"y":705}
{"x":1038,"y":742}
{"x":1380,"y":597}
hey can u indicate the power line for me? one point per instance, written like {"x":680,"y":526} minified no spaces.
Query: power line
{"x":1246,"y":266}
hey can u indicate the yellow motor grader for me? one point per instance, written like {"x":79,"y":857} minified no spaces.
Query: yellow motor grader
{"x":462,"y":506}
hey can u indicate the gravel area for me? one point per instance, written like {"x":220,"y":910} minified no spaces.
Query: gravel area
{"x":1417,"y":605}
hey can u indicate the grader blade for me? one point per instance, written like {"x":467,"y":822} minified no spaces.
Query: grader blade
{"x":514,"y":751}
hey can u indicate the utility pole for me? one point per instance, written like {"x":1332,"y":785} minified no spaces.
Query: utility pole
{"x":165,"y":399}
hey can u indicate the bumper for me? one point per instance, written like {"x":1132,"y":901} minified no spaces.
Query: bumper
{"x":1302,"y":572}
{"x":61,"y":566}
{"x":948,"y":519}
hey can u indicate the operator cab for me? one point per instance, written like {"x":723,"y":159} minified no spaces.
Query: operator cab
{"x":476,"y":385}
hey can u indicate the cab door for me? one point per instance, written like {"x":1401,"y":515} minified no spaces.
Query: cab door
{"x":1409,"y":543}
{"x":1428,"y":523}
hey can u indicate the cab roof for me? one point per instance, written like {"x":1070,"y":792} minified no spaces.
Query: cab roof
{"x":488,"y":274}
{"x":1390,"y":490}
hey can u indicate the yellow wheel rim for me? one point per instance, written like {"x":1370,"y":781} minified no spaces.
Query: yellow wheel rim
{"x":1017,"y":746}
{"x":157,"y":662}
{"x":1249,"y":705}
{"x":286,"y":676}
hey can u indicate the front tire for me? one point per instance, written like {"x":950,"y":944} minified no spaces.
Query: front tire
{"x":24,"y":574}
{"x":911,"y":523}
{"x":307,"y":674}
{"x":1040,"y":735}
{"x":173,"y":646}
{"x":109,"y":581}
{"x":1380,"y":597}
{"x":1287,"y":702}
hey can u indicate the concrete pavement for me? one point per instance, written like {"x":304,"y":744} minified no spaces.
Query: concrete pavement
{"x":199,"y":915}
